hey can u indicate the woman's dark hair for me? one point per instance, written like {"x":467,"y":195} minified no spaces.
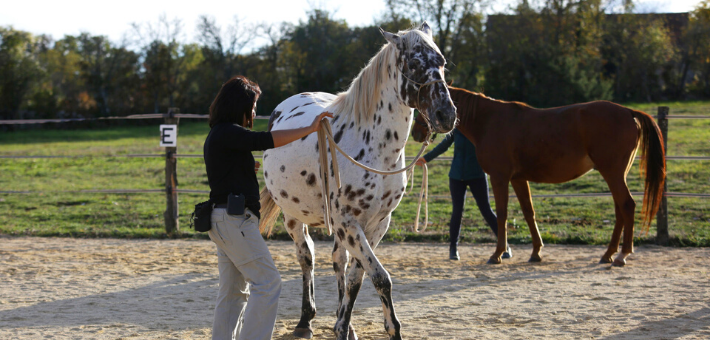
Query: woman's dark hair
{"x":235,"y":101}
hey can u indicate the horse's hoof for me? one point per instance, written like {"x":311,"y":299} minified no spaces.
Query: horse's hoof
{"x":494,"y":260}
{"x":304,"y":333}
{"x":618,"y":263}
{"x":606,"y":259}
{"x":535,"y":258}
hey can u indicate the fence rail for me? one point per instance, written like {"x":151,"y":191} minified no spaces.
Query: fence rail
{"x":171,"y":190}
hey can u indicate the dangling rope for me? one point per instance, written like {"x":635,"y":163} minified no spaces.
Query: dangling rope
{"x":325,"y":139}
{"x":325,"y":136}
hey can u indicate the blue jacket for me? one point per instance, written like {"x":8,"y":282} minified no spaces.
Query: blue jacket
{"x":465,"y":164}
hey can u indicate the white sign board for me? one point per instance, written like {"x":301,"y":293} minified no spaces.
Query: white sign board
{"x":168,"y":135}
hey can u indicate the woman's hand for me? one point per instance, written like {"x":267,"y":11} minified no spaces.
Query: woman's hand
{"x":316,"y":122}
{"x":257,"y":165}
{"x":421,"y":161}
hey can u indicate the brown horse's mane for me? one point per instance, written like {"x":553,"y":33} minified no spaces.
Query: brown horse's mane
{"x":467,"y":99}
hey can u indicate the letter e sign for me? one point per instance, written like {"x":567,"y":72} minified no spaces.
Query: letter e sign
{"x":168,"y":135}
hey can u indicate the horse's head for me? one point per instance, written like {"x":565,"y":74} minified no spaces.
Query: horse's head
{"x":420,"y":130}
{"x":422,"y":85}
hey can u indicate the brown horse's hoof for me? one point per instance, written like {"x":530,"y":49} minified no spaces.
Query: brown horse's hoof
{"x":535,"y":258}
{"x":494,"y":260}
{"x":618,"y":263}
{"x":606,"y":259}
{"x":303,"y":333}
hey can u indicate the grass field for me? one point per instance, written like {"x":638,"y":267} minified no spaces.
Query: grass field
{"x":52,"y":211}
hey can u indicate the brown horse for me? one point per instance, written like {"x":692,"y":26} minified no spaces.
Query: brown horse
{"x":517,"y":143}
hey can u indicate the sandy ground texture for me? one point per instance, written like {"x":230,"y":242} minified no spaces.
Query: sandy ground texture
{"x":61,"y":288}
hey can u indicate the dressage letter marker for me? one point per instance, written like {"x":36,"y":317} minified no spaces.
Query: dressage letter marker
{"x":168,"y":135}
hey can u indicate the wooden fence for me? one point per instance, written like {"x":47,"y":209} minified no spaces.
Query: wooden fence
{"x":171,"y":182}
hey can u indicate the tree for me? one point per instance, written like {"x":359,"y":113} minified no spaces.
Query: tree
{"x":19,"y":70}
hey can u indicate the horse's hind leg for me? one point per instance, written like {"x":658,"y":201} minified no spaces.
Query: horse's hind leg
{"x":624,"y":206}
{"x":615,"y":237}
{"x":522,"y":190}
{"x":305,"y":254}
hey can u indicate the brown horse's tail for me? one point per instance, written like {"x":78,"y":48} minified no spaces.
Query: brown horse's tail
{"x":653,"y":164}
{"x":269,"y":212}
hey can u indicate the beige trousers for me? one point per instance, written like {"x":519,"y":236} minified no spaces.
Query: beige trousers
{"x":249,"y":283}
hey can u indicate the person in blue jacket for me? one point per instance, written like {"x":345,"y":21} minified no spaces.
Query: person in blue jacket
{"x":465,"y":172}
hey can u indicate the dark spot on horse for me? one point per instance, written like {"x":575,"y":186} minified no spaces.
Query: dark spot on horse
{"x":336,"y":267}
{"x":266,"y":174}
{"x":294,"y":109}
{"x":369,"y":259}
{"x":295,"y":199}
{"x":283,"y":168}
{"x":335,"y":247}
{"x":396,"y":151}
{"x":348,"y":188}
{"x":305,"y":212}
{"x":351,"y":196}
{"x":341,"y":234}
{"x":311,"y":180}
{"x":291,"y":224}
{"x":351,"y":125}
{"x":369,"y":197}
{"x":360,"y":155}
{"x":360,"y":192}
{"x":316,"y":224}
{"x":390,"y":107}
{"x":389,"y":203}
{"x":337,"y":205}
{"x":363,"y":205}
{"x":284,"y":194}
{"x":388,"y":134}
{"x":367,"y":174}
{"x":357,"y":212}
{"x":303,"y":173}
{"x":320,"y":196}
{"x":379,"y":120}
{"x":396,"y":136}
{"x":304,"y":245}
{"x":372,"y":186}
{"x":351,"y":241}
{"x":398,"y":196}
{"x":386,"y":194}
{"x":306,"y":104}
{"x":347,"y":208}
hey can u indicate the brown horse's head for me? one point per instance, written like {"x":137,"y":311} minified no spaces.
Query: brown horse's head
{"x":420,"y":130}
{"x":421,"y":77}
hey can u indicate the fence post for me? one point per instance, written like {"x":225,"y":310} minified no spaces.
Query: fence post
{"x":171,"y":182}
{"x":662,"y":215}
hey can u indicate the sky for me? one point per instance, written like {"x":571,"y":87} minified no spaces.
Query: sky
{"x":114,"y":18}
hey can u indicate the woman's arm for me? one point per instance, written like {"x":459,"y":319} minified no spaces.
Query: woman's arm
{"x":283,"y":137}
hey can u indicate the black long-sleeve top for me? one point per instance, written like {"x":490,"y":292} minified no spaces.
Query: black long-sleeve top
{"x":230,"y":164}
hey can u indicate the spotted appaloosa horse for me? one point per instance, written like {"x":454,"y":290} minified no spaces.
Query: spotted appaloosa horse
{"x":517,"y":143}
{"x":371,"y":123}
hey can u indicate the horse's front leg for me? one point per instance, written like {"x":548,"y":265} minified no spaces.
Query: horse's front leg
{"x":364,"y":260}
{"x":340,"y":265}
{"x":500,"y":193}
{"x":306,"y":255}
{"x":522,"y":190}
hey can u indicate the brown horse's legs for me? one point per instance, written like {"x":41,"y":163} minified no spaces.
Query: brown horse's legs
{"x":615,"y":237}
{"x":626,"y":207}
{"x":522,"y":190}
{"x":500,"y":193}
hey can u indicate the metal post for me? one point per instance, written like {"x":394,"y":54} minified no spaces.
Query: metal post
{"x":662,"y":215}
{"x":171,"y":182}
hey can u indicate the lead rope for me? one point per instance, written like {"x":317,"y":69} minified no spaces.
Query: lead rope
{"x":325,"y":135}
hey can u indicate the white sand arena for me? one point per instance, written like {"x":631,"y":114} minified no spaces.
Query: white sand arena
{"x":63,"y":288}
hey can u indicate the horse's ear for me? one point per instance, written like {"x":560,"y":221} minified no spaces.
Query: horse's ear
{"x":391,"y":37}
{"x":426,"y":29}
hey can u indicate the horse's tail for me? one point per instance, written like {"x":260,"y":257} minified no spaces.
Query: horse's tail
{"x":269,"y":212}
{"x":653,"y":164}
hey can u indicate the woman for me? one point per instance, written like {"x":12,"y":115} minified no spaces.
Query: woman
{"x":249,"y":283}
{"x":465,"y":172}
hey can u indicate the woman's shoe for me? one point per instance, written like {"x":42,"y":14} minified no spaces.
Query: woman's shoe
{"x":453,"y":253}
